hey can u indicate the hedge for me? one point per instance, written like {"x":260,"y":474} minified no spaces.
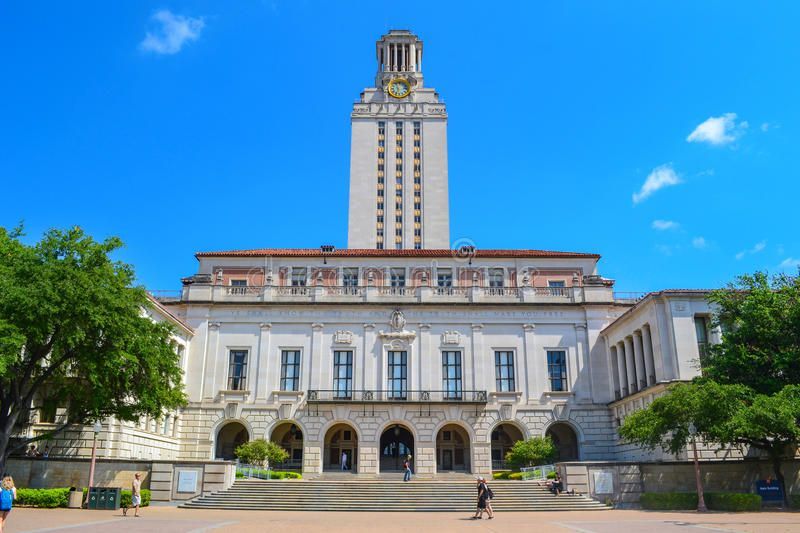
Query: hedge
{"x":501,"y":475}
{"x":794,"y":501}
{"x":684,"y":501}
{"x":46,"y":498}
{"x":52,"y":498}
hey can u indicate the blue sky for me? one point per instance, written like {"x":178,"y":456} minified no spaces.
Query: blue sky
{"x":662,"y":135}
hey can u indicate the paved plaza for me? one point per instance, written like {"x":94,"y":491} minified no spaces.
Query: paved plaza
{"x":174,"y":520}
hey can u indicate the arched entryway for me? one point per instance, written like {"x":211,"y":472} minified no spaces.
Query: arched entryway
{"x":503,"y":438}
{"x":452,"y":449}
{"x":341,"y":445}
{"x":229,"y":437}
{"x":290,"y":437}
{"x":565,"y":440}
{"x":397,"y":443}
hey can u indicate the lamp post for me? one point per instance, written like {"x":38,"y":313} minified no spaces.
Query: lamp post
{"x":97,"y":428}
{"x":701,"y":504}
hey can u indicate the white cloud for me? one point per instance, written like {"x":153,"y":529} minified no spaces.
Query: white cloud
{"x":175,"y":31}
{"x":664,"y":249}
{"x":663,"y":225}
{"x":660,"y":177}
{"x":765,"y":126}
{"x":718,"y":130}
{"x":758,"y":247}
{"x":699,"y":243}
{"x":789,"y":262}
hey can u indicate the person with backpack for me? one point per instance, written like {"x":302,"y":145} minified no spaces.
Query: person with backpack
{"x":407,"y":469}
{"x":484,"y":495}
{"x":8,"y":493}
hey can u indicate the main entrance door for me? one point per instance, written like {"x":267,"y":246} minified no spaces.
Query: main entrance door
{"x":341,"y":446}
{"x":397,"y":443}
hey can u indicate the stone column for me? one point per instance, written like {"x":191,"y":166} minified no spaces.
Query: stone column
{"x":425,"y":354}
{"x":369,"y":375}
{"x":630,"y":365}
{"x":312,"y":458}
{"x":413,"y":57}
{"x":641,"y":375}
{"x":367,"y":458}
{"x":622,"y":368}
{"x":482,"y":459}
{"x":525,"y":365}
{"x":260,"y":374}
{"x":581,"y":380}
{"x":478,"y":373}
{"x":649,"y":361}
{"x":316,"y":380}
{"x":210,"y":387}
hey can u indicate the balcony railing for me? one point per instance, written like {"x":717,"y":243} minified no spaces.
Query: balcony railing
{"x":388,"y":294}
{"x":396,"y":395}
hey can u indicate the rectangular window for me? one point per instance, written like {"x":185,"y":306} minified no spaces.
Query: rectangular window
{"x":444,"y":277}
{"x":496,"y":277}
{"x":237,"y":369}
{"x":298,"y":277}
{"x":556,"y":283}
{"x":398,"y":277}
{"x":290,"y":370}
{"x":504,"y":371}
{"x":557,"y":370}
{"x":350,"y":277}
{"x":398,"y":375}
{"x":701,"y":328}
{"x":451,"y":375}
{"x":343,"y":374}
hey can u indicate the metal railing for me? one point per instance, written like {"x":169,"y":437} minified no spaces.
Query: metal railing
{"x":253,"y":471}
{"x":396,"y":395}
{"x":536,"y":473}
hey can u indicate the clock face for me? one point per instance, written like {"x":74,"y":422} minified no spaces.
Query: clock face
{"x":399,"y":88}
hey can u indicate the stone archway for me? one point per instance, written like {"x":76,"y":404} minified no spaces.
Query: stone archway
{"x":397,"y":443}
{"x":453,"y":449}
{"x":290,"y":437}
{"x":340,"y":439}
{"x":503,"y":438}
{"x":229,"y":437}
{"x":565,"y":440}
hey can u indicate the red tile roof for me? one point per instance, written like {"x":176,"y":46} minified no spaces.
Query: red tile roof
{"x":368,"y":252}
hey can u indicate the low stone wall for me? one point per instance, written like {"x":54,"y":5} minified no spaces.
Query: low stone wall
{"x":622,"y":483}
{"x":167,"y":480}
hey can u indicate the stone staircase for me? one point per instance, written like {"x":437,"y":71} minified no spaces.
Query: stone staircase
{"x":381,"y":495}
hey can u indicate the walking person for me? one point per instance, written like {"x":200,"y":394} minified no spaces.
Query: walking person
{"x":8,"y":493}
{"x":483,"y":498}
{"x":407,"y":469}
{"x":344,"y":461}
{"x":136,"y":494}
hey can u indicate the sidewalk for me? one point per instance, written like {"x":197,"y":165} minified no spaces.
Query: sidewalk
{"x":174,"y":520}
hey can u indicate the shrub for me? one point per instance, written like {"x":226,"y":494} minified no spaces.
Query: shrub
{"x":275,"y":474}
{"x":794,"y":501}
{"x":716,"y":501}
{"x":260,"y":452}
{"x":500,"y":475}
{"x":46,"y":498}
{"x":551,"y":475}
{"x":732,"y":501}
{"x":125,"y":498}
{"x":516,"y":476}
{"x":532,"y":452}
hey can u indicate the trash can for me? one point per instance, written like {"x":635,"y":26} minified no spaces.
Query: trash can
{"x":75,"y":500}
{"x":104,"y":498}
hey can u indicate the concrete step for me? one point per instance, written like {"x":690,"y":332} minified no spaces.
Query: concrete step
{"x":386,"y":495}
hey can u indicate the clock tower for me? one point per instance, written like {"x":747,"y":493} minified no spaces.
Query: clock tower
{"x":398,"y":155}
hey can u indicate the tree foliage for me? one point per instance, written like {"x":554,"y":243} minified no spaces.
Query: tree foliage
{"x":532,"y":452}
{"x":760,"y":317}
{"x":749,"y":390}
{"x":73,"y":327}
{"x":261,"y":452}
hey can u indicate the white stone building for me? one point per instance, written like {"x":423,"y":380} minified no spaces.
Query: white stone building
{"x":399,"y":345}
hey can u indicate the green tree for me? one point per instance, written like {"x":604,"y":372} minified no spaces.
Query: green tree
{"x":749,"y":390}
{"x":261,"y":452}
{"x":532,"y":452}
{"x":72,"y":327}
